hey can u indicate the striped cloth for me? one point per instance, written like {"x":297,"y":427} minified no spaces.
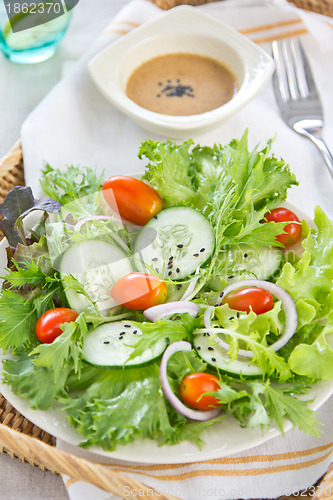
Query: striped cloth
{"x":280,"y":466}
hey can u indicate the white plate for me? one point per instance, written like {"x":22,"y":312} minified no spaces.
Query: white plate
{"x":223,"y":439}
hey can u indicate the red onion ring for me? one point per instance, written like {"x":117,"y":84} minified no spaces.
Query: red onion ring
{"x":156,"y":313}
{"x":171,"y":397}
{"x":287,"y":303}
{"x":207,"y":317}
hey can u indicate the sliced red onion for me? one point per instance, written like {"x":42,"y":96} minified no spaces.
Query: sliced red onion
{"x":156,"y":313}
{"x":287,"y":303}
{"x":191,"y":287}
{"x":169,"y":394}
{"x":208,"y":316}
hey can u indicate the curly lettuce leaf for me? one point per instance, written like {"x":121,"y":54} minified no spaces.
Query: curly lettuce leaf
{"x":18,"y":318}
{"x":194,"y":177}
{"x":69,"y":185}
{"x":119,"y":406}
{"x":64,"y":351}
{"x":169,"y":172}
{"x":34,"y":383}
{"x":309,"y":282}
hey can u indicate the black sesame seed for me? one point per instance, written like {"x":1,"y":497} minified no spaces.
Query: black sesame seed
{"x":135,"y":331}
{"x":210,"y":348}
{"x":216,"y":305}
{"x":180,"y":246}
{"x":122,"y":333}
{"x":170,"y":258}
{"x":154,"y":259}
{"x":245,"y":255}
{"x":179,"y":287}
{"x":169,"y":273}
{"x":177,"y":270}
{"x":231,"y":317}
{"x":170,"y":266}
{"x":195,"y":255}
{"x":237,"y":315}
{"x":221,"y":294}
{"x":230,"y":277}
{"x":214,"y":359}
{"x":208,"y":334}
{"x":202,"y":249}
{"x":106,"y":342}
{"x":198,"y":348}
{"x":127,"y":326}
{"x":155,"y":216}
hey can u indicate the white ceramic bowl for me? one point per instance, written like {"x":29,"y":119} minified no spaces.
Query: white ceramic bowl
{"x":183,"y":29}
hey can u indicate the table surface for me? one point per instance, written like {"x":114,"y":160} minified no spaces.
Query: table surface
{"x":22,"y":87}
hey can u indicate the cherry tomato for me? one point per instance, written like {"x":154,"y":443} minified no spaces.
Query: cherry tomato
{"x":48,"y":325}
{"x":251,"y":297}
{"x":133,"y":199}
{"x":293,"y":232}
{"x":194,"y":385}
{"x":139,"y":291}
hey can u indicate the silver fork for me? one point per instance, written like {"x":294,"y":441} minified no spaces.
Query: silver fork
{"x":296,"y":94}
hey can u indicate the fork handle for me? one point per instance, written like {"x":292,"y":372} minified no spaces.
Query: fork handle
{"x":320,"y":143}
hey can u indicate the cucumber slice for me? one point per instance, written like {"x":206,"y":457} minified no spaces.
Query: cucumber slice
{"x":216,"y":356}
{"x":175,"y":242}
{"x":245,"y":262}
{"x":97,"y":265}
{"x":108,"y":345}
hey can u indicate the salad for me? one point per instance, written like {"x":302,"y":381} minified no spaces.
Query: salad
{"x":153,"y":308}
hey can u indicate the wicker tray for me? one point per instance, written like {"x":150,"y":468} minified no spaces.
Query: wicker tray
{"x":23,"y":440}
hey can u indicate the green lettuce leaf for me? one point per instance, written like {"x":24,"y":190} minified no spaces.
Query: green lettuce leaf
{"x":315,"y":360}
{"x":71,"y":184}
{"x":34,"y":383}
{"x":309,"y":282}
{"x":119,"y":406}
{"x":65,"y":350}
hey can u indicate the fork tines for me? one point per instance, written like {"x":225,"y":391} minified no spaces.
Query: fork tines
{"x":293,"y":73}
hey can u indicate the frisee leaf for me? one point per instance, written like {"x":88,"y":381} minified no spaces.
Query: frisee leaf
{"x":71,"y":184}
{"x":18,"y":318}
{"x":34,"y":383}
{"x":65,"y":350}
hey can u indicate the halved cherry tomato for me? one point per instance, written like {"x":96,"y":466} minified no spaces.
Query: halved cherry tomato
{"x":48,"y":325}
{"x":194,"y":385}
{"x":133,"y":199}
{"x":250,"y":297}
{"x":293,"y":232}
{"x":139,"y":291}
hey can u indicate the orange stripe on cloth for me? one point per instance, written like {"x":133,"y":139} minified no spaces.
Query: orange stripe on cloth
{"x":129,"y":23}
{"x":70,"y":482}
{"x":117,"y":31}
{"x":265,"y":27}
{"x":281,"y":36}
{"x":142,"y":469}
{"x":230,"y":473}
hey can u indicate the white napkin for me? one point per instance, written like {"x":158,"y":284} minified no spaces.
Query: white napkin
{"x":75,"y":125}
